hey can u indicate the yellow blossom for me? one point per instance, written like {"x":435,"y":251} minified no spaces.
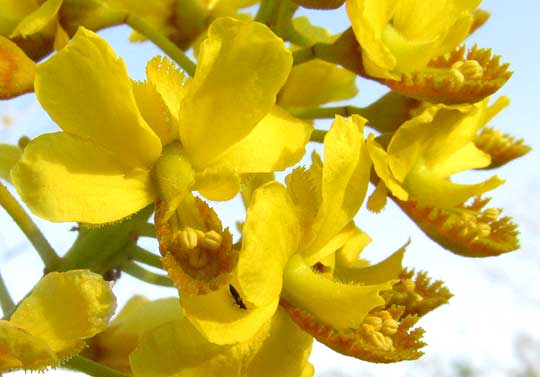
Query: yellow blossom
{"x":51,"y":324}
{"x":403,"y":36}
{"x":432,"y":146}
{"x":200,"y":135}
{"x":288,"y":246}
{"x":154,"y":339}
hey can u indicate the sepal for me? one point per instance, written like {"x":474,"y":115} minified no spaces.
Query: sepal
{"x":467,"y":230}
{"x":457,"y":77}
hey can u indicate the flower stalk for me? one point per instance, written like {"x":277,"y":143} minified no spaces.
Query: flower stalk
{"x":29,"y":228}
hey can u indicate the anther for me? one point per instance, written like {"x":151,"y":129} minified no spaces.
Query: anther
{"x":470,"y":69}
{"x":188,"y":238}
{"x":374,"y":321}
{"x":212,"y":240}
{"x":389,"y":327}
{"x":490,"y":214}
{"x":408,"y":285}
{"x":483,"y":230}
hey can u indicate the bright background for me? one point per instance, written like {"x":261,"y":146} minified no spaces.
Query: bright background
{"x":491,"y":325}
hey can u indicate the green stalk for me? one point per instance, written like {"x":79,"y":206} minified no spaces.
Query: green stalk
{"x":325,"y":112}
{"x":133,"y":269}
{"x":144,"y":256}
{"x":92,"y":368}
{"x":6,"y":302}
{"x":317,"y":136}
{"x":164,"y":43}
{"x":30,"y":230}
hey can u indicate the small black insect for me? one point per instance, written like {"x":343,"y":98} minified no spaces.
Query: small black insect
{"x":237,"y":297}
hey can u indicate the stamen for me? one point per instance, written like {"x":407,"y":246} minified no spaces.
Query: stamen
{"x":211,"y":240}
{"x":188,"y":238}
{"x":490,"y":214}
{"x":469,"y":69}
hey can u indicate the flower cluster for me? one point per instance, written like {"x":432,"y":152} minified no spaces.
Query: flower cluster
{"x":191,"y":134}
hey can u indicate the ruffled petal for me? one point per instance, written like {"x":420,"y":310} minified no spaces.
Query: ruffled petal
{"x":271,"y":235}
{"x":284,"y":352}
{"x":113,"y":346}
{"x":380,"y":163}
{"x":378,"y":273}
{"x":159,"y":97}
{"x":177,"y":349}
{"x":337,"y":304}
{"x":344,"y":182}
{"x":38,"y":19}
{"x":64,"y":178}
{"x":220,"y":317}
{"x":65,"y":308}
{"x":19,"y":349}
{"x":242,"y":65}
{"x":277,"y":142}
{"x":16,"y":72}
{"x":317,"y":82}
{"x":85,"y":88}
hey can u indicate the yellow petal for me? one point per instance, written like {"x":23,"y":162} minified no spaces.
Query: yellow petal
{"x":86,"y":90}
{"x":221,"y":320}
{"x":16,"y":71}
{"x":284,"y":352}
{"x":9,"y":155}
{"x":64,"y":178}
{"x":317,"y":82}
{"x":177,"y":349}
{"x":368,"y":20}
{"x":388,"y":269}
{"x":13,"y":12}
{"x":113,"y":346}
{"x":19,"y":349}
{"x":345,"y":180}
{"x":337,"y":304}
{"x":159,"y":97}
{"x":37,"y":20}
{"x":442,"y":193}
{"x":218,"y":182}
{"x":380,"y":163}
{"x":242,"y":65}
{"x":277,"y":142}
{"x":61,"y":38}
{"x":271,"y":235}
{"x":65,"y":308}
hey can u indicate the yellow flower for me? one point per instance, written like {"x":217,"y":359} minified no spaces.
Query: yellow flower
{"x":435,"y":144}
{"x":288,"y":246}
{"x":51,"y":324}
{"x":33,"y":25}
{"x":153,"y":338}
{"x":403,"y":36}
{"x":106,"y":164}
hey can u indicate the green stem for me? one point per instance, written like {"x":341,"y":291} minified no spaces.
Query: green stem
{"x":325,"y":112}
{"x":105,"y":247}
{"x":133,"y":269}
{"x":92,"y":368}
{"x":139,"y":25}
{"x":264,"y":14}
{"x":146,"y":230}
{"x":6,"y":302}
{"x":31,"y":231}
{"x":317,"y":136}
{"x":144,"y":256}
{"x":305,"y":54}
